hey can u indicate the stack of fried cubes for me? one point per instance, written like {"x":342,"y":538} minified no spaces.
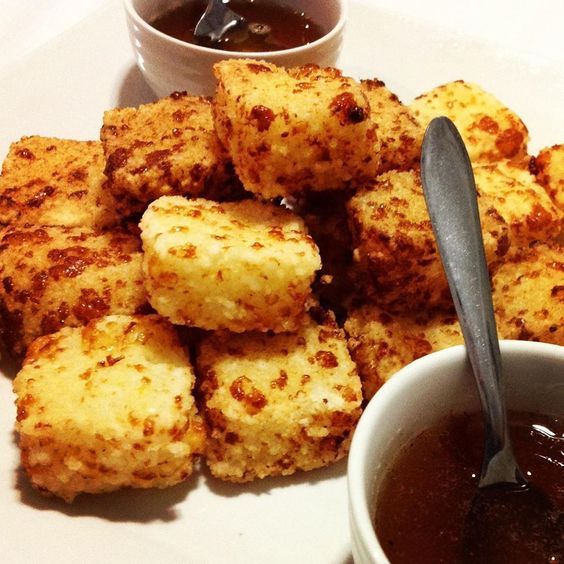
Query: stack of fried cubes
{"x":182,"y":287}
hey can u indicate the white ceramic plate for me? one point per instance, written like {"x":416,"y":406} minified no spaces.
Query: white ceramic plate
{"x":62,"y":90}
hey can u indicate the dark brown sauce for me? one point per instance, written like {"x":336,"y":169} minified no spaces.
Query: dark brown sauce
{"x":288,"y":28}
{"x":429,"y":491}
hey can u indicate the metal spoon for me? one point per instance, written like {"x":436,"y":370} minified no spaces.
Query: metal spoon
{"x":450,"y":193}
{"x":217,"y":20}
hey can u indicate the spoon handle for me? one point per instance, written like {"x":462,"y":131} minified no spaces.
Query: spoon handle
{"x":450,"y":193}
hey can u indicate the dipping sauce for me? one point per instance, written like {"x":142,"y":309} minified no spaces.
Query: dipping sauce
{"x":272,"y":26}
{"x":429,"y":490}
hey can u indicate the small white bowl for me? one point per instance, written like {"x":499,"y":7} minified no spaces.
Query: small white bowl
{"x":420,"y":395}
{"x":169,"y":64}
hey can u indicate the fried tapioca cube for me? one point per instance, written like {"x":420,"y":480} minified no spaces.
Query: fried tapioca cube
{"x":166,"y":147}
{"x":548,"y":166}
{"x":490,"y":130}
{"x":382,"y":343}
{"x":528,"y":293}
{"x":523,"y":203}
{"x":528,"y":297}
{"x":240,"y":266}
{"x":48,"y":181}
{"x":126,"y":418}
{"x":399,"y":134}
{"x":52,"y":277}
{"x":289,"y":131}
{"x":275,"y":404}
{"x":395,"y":246}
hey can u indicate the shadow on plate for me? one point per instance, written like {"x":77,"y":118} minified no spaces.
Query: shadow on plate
{"x":127,"y":505}
{"x":133,"y":89}
{"x":346,"y":557}
{"x":266,"y":485}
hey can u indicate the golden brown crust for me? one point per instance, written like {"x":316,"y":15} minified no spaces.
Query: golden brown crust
{"x":528,"y":292}
{"x":528,"y":296}
{"x":490,"y":130}
{"x":511,"y":190}
{"x":291,"y":131}
{"x":399,"y":133}
{"x":395,"y":246}
{"x":167,"y":147}
{"x":548,"y":167}
{"x":241,"y":266}
{"x":275,"y":404}
{"x":382,"y":343}
{"x":126,"y":418}
{"x":48,"y":181}
{"x":52,"y":277}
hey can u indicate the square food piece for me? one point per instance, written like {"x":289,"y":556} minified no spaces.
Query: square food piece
{"x":548,"y":167}
{"x":528,"y":298}
{"x":395,"y":246}
{"x":521,"y":201}
{"x":166,"y":147}
{"x":275,"y":404}
{"x":399,"y":134}
{"x":490,"y":130}
{"x":52,"y":277}
{"x":48,"y":181}
{"x":382,"y":343}
{"x":241,"y":266}
{"x":288,"y":131}
{"x":528,"y":293}
{"x":127,"y":417}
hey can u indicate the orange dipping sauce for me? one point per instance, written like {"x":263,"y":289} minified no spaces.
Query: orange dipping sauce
{"x":429,"y":489}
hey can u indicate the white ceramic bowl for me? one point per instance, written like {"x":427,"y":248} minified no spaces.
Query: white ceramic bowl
{"x":169,"y":64}
{"x":421,"y":394}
